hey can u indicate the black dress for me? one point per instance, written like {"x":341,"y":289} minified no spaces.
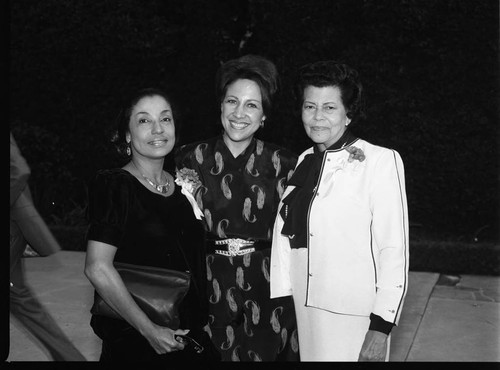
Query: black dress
{"x":239,"y":198}
{"x":146,"y":227}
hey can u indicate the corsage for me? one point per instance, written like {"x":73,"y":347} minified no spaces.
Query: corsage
{"x":189,"y":182}
{"x":355,"y":154}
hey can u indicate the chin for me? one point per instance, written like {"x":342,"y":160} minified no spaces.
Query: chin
{"x":238,"y":136}
{"x":317,"y":140}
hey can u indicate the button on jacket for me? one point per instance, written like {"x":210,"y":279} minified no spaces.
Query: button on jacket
{"x":357,"y":236}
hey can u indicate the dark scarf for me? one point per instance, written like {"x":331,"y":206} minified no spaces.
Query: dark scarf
{"x":305,"y":178}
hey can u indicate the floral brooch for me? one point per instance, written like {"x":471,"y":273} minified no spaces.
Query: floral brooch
{"x":355,"y":154}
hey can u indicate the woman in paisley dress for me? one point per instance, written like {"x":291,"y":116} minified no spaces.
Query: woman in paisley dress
{"x":237,"y":182}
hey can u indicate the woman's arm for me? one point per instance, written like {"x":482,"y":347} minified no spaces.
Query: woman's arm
{"x":103,"y":276}
{"x":19,"y":171}
{"x":390,"y":232}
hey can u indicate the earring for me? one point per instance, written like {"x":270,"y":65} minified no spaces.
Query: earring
{"x":262,"y":123}
{"x":129,"y":152}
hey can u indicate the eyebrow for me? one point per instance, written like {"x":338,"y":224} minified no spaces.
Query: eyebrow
{"x":163,"y":111}
{"x":328,"y":102}
{"x":235,"y":97}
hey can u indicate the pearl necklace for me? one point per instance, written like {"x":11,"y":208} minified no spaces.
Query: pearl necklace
{"x":161,"y":188}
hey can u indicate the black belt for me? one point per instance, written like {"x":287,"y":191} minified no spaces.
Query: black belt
{"x":232,"y":247}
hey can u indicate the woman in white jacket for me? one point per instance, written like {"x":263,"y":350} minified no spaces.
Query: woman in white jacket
{"x":340,"y":240}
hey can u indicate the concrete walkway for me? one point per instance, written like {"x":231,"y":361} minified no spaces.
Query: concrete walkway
{"x":445,"y":318}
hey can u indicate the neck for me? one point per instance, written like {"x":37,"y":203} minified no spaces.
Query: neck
{"x":236,"y":147}
{"x":151,"y":169}
{"x":345,"y":138}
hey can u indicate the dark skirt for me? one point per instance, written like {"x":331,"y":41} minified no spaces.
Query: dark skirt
{"x":246,"y":324}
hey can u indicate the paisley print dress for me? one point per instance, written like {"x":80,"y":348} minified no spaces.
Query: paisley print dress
{"x":239,"y":199}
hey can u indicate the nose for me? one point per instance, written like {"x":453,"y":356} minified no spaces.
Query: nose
{"x":318,"y":114}
{"x":239,"y":111}
{"x":157,"y":127}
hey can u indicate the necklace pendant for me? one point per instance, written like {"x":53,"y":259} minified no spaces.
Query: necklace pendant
{"x":162,"y":188}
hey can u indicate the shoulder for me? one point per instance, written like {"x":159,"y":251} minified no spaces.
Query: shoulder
{"x":375,"y":150}
{"x":112,"y":173}
{"x":111,"y":178}
{"x":112,"y":189}
{"x":190,"y":147}
{"x":275,"y":148}
{"x":195,"y":149}
{"x":379,"y":155}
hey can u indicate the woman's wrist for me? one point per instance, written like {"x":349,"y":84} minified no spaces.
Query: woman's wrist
{"x":379,"y":324}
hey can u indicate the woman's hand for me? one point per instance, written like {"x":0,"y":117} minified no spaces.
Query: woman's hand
{"x":374,"y":347}
{"x":162,"y":339}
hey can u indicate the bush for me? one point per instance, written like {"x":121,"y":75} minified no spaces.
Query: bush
{"x":452,"y":257}
{"x":444,"y":257}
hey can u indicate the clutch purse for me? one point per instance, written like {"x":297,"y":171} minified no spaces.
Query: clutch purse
{"x":157,"y":291}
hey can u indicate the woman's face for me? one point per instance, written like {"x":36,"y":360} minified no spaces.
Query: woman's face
{"x":152,"y":130}
{"x":242,"y":111}
{"x":324,"y":115}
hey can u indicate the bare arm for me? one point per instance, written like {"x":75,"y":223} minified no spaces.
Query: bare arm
{"x":103,"y":276}
{"x":19,"y":171}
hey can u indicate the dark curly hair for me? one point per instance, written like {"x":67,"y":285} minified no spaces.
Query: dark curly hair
{"x":118,"y":135}
{"x":332,"y":73}
{"x":251,"y":67}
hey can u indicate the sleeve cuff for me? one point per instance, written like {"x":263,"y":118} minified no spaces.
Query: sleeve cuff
{"x":379,"y":324}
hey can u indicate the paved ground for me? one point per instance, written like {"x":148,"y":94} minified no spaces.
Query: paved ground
{"x":445,"y":318}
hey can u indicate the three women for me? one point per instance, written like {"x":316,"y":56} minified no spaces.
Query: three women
{"x":338,"y":266}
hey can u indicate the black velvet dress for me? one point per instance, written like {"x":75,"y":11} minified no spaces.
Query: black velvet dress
{"x":145,"y":228}
{"x":239,"y":198}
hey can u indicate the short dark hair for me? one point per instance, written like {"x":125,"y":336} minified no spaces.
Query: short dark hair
{"x":332,"y":73}
{"x":251,"y":67}
{"x":118,"y":136}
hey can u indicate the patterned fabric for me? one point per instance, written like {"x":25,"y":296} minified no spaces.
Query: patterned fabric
{"x":239,"y":198}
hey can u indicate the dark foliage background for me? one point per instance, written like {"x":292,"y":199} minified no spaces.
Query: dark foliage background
{"x":430,"y":71}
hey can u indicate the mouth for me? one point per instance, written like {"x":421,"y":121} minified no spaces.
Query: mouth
{"x":238,"y":125}
{"x":158,"y":142}
{"x":318,"y":128}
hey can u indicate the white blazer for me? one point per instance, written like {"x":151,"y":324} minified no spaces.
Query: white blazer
{"x":358,"y":253}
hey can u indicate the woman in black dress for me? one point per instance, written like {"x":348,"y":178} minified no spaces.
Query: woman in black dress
{"x":138,"y":215}
{"x":242,"y":179}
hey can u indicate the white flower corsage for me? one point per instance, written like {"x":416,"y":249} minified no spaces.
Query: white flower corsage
{"x":189,"y":182}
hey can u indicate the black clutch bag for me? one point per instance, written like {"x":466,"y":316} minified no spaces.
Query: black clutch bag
{"x":157,"y":291}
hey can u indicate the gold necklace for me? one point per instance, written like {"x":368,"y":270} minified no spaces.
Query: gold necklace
{"x":161,"y":188}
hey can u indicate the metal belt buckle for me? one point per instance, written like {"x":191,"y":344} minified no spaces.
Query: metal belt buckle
{"x":234,"y":247}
